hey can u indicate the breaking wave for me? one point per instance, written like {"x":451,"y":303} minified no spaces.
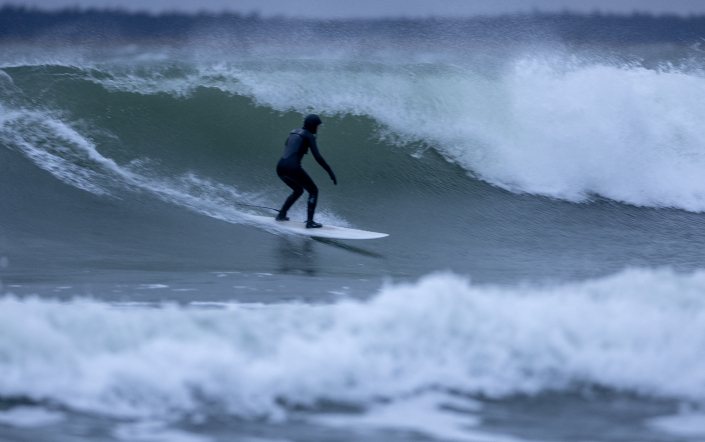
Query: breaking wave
{"x":638,"y":331}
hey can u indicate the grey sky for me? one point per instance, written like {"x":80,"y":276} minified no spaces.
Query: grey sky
{"x":380,"y":8}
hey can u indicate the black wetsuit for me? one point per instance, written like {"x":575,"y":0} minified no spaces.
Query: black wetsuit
{"x":290,"y":171}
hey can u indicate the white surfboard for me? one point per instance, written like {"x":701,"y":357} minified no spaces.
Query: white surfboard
{"x":332,"y":232}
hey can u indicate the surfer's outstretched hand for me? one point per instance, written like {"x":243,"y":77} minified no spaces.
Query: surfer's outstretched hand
{"x":332,"y":176}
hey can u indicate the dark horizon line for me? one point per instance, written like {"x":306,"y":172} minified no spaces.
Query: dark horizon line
{"x":21,"y":23}
{"x":257,"y":15}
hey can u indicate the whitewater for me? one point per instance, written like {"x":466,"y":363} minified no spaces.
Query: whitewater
{"x":637,"y":331}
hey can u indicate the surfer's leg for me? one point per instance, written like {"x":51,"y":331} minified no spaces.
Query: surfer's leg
{"x":297,"y":192}
{"x":307,"y":183}
{"x":312,"y":200}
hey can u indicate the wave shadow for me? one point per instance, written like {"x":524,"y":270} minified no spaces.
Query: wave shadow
{"x":348,"y":247}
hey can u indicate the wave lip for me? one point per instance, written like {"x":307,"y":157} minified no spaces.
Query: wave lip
{"x":639,"y":331}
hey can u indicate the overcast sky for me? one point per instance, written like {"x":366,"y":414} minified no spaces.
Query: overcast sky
{"x":380,"y":8}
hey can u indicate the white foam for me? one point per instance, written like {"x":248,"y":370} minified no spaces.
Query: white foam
{"x":30,"y":417}
{"x":54,"y":146}
{"x":629,"y":134}
{"x":640,"y":331}
{"x":432,"y":414}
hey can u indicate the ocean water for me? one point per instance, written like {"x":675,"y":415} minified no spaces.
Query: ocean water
{"x":544,"y":277}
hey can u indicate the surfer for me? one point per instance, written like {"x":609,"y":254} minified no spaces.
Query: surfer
{"x":290,"y":171}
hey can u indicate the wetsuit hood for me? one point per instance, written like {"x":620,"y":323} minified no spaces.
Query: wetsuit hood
{"x":311,"y":123}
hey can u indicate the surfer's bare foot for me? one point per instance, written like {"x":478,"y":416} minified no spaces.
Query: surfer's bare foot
{"x":281,"y":217}
{"x":311,"y":224}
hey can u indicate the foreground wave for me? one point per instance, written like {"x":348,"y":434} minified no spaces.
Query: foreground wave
{"x":639,"y":331}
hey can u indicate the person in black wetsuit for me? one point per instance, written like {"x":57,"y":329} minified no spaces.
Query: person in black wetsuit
{"x":290,"y":171}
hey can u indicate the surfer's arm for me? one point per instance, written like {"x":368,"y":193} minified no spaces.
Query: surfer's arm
{"x":320,"y":160}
